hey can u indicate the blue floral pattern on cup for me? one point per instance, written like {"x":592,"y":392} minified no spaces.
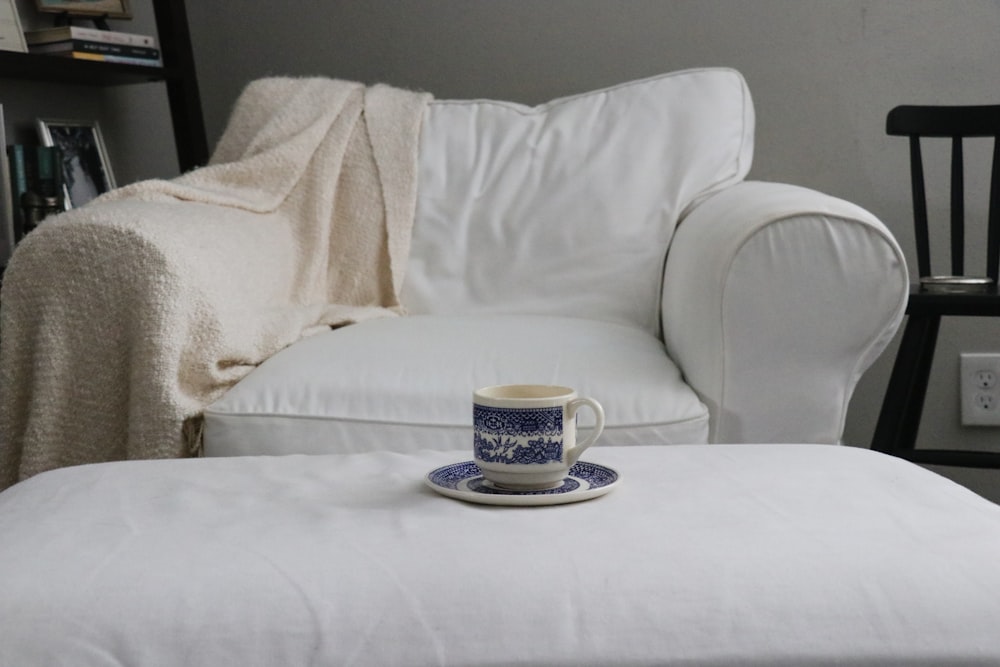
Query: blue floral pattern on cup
{"x":518,"y":435}
{"x":518,"y":421}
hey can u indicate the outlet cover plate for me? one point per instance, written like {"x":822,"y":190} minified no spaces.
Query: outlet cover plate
{"x":979,"y":384}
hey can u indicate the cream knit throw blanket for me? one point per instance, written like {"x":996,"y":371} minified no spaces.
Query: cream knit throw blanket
{"x":123,"y":319}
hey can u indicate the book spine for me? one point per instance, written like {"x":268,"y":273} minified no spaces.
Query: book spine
{"x":96,"y":47}
{"x":111,"y":58}
{"x":7,"y":235}
{"x":112,"y":36}
{"x":49,"y":35}
{"x":18,"y":185}
{"x":48,"y":176}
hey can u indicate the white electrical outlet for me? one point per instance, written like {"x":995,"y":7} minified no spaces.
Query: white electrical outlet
{"x":979,"y":378}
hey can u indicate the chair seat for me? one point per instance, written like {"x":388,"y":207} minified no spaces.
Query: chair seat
{"x":404,"y":384}
{"x":985,"y":303}
{"x":902,"y":407}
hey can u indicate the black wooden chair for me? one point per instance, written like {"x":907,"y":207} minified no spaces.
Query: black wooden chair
{"x":936,"y":296}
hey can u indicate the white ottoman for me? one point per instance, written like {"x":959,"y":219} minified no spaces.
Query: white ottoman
{"x":703,"y":555}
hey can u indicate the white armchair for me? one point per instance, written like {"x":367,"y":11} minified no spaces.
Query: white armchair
{"x":606,"y":241}
{"x":538,"y":256}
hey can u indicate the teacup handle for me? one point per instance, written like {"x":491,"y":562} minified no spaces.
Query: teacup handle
{"x":595,"y":432}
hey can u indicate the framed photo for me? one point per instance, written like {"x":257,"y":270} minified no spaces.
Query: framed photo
{"x":11,"y":36}
{"x":6,"y":200}
{"x":112,"y":9}
{"x":85,"y":166}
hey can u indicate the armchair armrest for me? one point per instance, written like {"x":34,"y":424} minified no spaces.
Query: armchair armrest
{"x":121,"y":318}
{"x":776,"y":299}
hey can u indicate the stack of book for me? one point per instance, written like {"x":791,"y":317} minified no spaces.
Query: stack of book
{"x":92,"y":44}
{"x":36,"y":176}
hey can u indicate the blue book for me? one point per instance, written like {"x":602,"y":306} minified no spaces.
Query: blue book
{"x":18,"y":185}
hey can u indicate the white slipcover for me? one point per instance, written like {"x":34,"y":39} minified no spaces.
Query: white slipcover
{"x":605,"y":241}
{"x":702,"y":556}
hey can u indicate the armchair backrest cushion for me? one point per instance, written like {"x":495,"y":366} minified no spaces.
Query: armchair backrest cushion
{"x":568,"y":208}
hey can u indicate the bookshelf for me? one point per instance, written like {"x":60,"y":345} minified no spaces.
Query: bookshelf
{"x":177,"y":73}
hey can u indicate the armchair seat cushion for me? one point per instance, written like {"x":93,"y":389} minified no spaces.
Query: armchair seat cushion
{"x":404,"y":384}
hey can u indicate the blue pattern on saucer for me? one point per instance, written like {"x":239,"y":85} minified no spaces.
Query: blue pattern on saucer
{"x":480,"y":485}
{"x":450,"y":476}
{"x":468,"y":475}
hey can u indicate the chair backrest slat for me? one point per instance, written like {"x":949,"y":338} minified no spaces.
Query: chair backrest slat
{"x":919,"y":208}
{"x":993,"y":231}
{"x":956,"y":123}
{"x":957,"y":208}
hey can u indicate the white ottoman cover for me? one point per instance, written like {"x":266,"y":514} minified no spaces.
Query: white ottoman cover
{"x":711,"y":555}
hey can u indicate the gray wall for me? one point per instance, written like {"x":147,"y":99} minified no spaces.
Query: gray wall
{"x":823,"y":74}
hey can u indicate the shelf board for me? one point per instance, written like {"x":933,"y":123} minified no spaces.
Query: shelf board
{"x":985,"y":303}
{"x":57,"y":69}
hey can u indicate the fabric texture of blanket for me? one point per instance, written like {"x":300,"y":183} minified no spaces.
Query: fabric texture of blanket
{"x":123,"y":319}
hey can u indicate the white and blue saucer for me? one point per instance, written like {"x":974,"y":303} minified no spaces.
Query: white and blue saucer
{"x":464,"y":481}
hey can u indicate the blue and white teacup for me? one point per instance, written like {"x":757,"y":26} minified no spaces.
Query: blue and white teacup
{"x":525,"y":434}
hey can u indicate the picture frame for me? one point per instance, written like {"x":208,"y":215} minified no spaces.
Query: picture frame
{"x":112,"y":9}
{"x":11,"y":35}
{"x":86,"y":168}
{"x":7,"y":238}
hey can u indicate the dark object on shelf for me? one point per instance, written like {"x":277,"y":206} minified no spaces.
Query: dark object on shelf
{"x":35,"y":170}
{"x":899,"y":421}
{"x":100,"y":22}
{"x":37,"y":207}
{"x":178,"y":73}
{"x":956,"y":284}
{"x":95,"y":9}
